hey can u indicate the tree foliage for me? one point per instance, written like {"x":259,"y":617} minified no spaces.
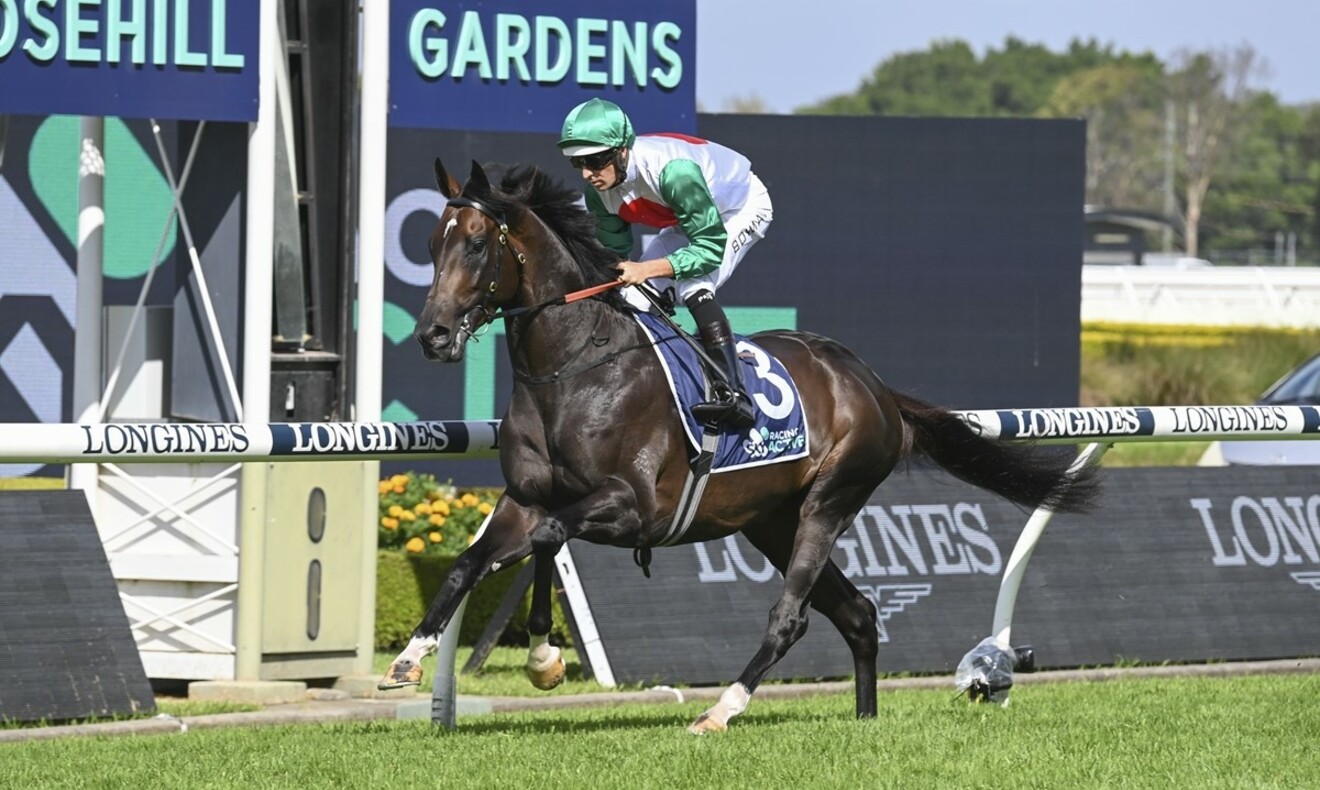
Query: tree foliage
{"x":1243,"y":169}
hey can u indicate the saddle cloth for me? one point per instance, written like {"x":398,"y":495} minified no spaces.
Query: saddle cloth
{"x":780,"y":432}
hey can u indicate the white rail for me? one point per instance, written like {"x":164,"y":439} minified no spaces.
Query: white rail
{"x":1220,"y":295}
{"x":120,"y":443}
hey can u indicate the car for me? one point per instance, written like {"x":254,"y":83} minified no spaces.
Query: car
{"x":1299,"y":387}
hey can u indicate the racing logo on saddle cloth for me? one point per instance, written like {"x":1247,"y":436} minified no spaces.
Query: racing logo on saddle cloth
{"x":780,"y":432}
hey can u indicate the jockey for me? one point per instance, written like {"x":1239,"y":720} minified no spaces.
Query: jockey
{"x":709,"y":207}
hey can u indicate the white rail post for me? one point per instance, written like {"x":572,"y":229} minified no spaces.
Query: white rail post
{"x":368,"y":365}
{"x":1002,"y":630}
{"x":87,"y":339}
{"x":444,"y":682}
{"x":258,"y":299}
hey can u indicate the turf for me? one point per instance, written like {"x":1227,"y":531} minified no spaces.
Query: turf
{"x":1157,"y":733}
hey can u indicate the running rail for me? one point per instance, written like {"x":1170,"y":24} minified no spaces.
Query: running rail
{"x":179,"y":442}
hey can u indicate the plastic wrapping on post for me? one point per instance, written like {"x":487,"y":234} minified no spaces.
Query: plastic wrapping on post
{"x":986,"y":673}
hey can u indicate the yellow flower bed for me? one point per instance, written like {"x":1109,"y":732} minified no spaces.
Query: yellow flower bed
{"x":421,"y":516}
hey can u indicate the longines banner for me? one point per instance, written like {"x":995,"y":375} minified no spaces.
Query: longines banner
{"x":519,"y":65}
{"x":1176,"y":564}
{"x":184,"y":59}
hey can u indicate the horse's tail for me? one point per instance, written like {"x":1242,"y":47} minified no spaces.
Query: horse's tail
{"x":1021,"y":473}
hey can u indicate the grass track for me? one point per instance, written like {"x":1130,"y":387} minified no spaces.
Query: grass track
{"x":1157,"y":733}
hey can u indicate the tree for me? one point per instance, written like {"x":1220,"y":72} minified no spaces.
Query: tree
{"x":1209,"y":91}
{"x":1263,"y":190}
{"x":949,"y":79}
{"x":751,"y":104}
{"x":1123,"y":104}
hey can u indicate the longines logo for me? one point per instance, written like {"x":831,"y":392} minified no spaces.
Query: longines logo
{"x":907,"y":544}
{"x":1309,"y":578}
{"x":1265,"y":532}
{"x":890,"y":599}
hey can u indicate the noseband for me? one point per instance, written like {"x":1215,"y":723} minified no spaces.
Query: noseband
{"x":489,"y":315}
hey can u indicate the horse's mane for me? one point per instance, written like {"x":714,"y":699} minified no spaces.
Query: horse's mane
{"x":527,"y":187}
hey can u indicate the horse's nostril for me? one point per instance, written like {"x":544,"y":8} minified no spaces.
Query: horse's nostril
{"x":434,"y":335}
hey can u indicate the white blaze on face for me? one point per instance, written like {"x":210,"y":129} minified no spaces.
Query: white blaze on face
{"x":453,"y":221}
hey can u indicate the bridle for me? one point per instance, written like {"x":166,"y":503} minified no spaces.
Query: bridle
{"x":487,"y":314}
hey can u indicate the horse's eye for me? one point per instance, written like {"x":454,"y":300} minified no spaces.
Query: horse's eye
{"x":478,"y":246}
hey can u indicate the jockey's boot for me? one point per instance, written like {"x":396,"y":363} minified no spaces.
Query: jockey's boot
{"x":729,"y":405}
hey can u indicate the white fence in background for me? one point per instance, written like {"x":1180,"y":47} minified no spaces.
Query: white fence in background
{"x":1220,"y":295}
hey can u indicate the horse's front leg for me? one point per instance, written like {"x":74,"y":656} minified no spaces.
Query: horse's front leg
{"x":611,"y":510}
{"x":507,"y":539}
{"x":545,"y":662}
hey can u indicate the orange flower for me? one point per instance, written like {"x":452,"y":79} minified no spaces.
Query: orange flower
{"x":407,"y":515}
{"x":395,"y":510}
{"x":422,"y":508}
{"x":441,"y":507}
{"x":437,"y":520}
{"x":389,"y":523}
{"x":469,"y":499}
{"x":415,"y":545}
{"x":436,"y":537}
{"x":485,"y":508}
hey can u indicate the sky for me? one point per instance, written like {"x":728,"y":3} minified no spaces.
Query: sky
{"x":792,"y":53}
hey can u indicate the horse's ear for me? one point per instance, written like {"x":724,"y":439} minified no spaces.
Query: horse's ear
{"x":446,"y":183}
{"x":477,"y":181}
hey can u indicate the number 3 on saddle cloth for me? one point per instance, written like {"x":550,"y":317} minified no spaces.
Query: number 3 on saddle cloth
{"x":780,"y":431}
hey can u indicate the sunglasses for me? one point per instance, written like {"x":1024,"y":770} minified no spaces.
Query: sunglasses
{"x":597,"y":161}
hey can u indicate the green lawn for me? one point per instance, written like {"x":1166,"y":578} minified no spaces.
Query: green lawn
{"x":1141,"y":733}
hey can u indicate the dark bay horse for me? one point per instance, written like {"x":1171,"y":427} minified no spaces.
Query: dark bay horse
{"x":592,"y":447}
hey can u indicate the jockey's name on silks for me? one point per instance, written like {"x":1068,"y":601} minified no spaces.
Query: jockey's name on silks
{"x":780,"y":431}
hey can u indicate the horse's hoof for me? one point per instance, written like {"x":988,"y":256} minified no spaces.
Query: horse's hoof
{"x":548,"y":677}
{"x":401,"y":673}
{"x":706,"y":723}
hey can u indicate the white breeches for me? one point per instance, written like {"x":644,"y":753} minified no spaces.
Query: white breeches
{"x":745,"y":227}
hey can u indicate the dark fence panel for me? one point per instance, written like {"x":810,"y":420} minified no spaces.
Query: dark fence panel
{"x":946,"y":252}
{"x":1176,"y":565}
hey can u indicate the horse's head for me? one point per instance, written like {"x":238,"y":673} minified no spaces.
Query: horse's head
{"x":476,"y":270}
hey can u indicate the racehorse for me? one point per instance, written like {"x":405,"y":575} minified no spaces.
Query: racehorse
{"x":591,"y":448}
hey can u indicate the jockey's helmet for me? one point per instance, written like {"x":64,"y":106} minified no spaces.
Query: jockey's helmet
{"x":593,"y":126}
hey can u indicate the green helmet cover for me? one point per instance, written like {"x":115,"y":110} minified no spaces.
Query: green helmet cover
{"x":597,"y":124}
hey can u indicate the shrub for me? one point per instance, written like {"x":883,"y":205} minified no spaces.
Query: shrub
{"x":1157,"y":365}
{"x":421,"y":516}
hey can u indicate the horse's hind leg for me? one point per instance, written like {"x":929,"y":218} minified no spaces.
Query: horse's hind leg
{"x":507,"y":540}
{"x":854,"y":615}
{"x":823,"y":518}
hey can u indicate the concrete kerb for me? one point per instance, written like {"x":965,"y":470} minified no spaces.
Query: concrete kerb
{"x":347,"y":710}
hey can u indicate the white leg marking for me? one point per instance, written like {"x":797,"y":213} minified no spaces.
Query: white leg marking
{"x":420,"y":647}
{"x":542,"y":654}
{"x":732,"y":702}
